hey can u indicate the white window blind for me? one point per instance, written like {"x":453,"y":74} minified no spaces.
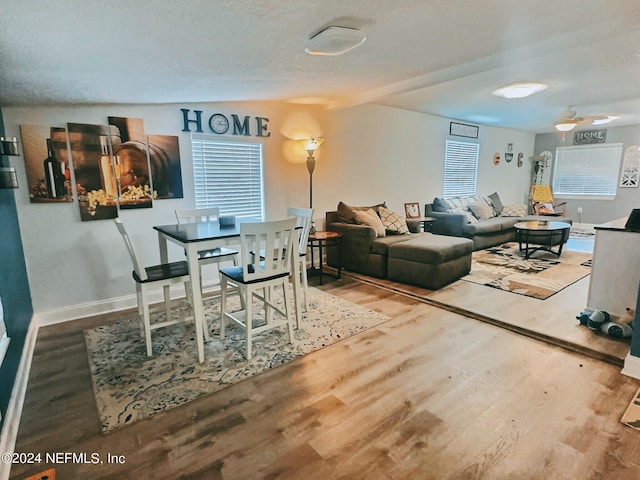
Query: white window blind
{"x":228,"y":175}
{"x":460,"y":168}
{"x":588,"y":170}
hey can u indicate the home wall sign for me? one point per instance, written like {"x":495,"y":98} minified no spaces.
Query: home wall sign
{"x":589,"y":136}
{"x":463,"y":130}
{"x":222,"y":124}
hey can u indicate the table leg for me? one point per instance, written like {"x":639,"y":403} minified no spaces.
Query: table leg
{"x":320,"y":260}
{"x":196,"y":296}
{"x":164,"y":258}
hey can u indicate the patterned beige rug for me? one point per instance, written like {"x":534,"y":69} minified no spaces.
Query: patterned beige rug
{"x":631,"y":416}
{"x":544,"y":274}
{"x":129,"y":386}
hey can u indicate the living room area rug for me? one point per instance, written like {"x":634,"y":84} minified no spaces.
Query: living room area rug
{"x":541,"y":276}
{"x":631,"y":416}
{"x":129,"y":386}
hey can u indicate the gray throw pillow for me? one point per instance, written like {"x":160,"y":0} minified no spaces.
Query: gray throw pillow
{"x":440,"y":205}
{"x":497,"y":203}
{"x":481,"y":210}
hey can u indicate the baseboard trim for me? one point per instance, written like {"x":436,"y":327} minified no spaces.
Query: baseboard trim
{"x":631,"y":366}
{"x":16,"y":402}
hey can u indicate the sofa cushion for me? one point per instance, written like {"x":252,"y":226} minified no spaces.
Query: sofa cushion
{"x":371,"y":219}
{"x":346,"y":213}
{"x":482,"y":210}
{"x":464,"y":211}
{"x":433,"y":249}
{"x":494,"y":198}
{"x":381,"y":245}
{"x":514,"y":211}
{"x":393,"y":222}
{"x":489,"y":226}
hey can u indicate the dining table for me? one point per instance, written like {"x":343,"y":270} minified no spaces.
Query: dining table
{"x":200,"y":236}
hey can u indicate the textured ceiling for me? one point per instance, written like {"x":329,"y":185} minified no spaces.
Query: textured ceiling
{"x":441,"y":56}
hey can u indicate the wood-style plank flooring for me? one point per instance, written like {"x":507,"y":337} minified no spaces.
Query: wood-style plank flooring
{"x":430,"y":394}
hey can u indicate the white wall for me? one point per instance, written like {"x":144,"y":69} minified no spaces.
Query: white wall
{"x":70,"y":262}
{"x":376,"y":153}
{"x":372,"y":153}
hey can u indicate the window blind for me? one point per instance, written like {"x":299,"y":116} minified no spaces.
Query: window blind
{"x":587,"y":170}
{"x":228,"y":175}
{"x":460,"y":168}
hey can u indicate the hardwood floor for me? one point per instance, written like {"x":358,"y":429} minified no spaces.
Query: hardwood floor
{"x":430,"y":394}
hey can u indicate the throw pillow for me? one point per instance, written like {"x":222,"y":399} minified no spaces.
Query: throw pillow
{"x":464,"y":211}
{"x":514,"y":211}
{"x":370,"y":219}
{"x":496,"y":202}
{"x":481,"y":210}
{"x":346,"y":213}
{"x":393,"y":222}
{"x":440,"y":205}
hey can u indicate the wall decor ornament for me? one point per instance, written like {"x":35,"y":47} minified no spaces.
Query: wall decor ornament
{"x":508,"y":156}
{"x":496,"y":158}
{"x":47,"y":164}
{"x":630,"y":176}
{"x":520,"y":156}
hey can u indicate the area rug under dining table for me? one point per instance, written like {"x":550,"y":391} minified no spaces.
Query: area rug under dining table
{"x":540,"y":276}
{"x":129,"y":386}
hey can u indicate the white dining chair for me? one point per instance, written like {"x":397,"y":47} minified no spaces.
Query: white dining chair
{"x":304,"y":218}
{"x":258,"y":275}
{"x":148,"y":278}
{"x":215,"y":255}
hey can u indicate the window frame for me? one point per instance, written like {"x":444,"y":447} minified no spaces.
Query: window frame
{"x":586,"y":175}
{"x":451,"y":186}
{"x":218,"y":163}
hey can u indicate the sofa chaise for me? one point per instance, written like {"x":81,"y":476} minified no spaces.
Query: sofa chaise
{"x":395,"y":249}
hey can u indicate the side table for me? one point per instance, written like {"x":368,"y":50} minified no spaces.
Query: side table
{"x":426,"y":222}
{"x":320,"y":240}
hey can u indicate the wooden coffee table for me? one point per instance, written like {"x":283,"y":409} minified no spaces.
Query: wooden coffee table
{"x":542,"y":235}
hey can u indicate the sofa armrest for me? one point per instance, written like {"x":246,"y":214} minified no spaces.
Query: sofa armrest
{"x":362,"y":234}
{"x":451,"y":224}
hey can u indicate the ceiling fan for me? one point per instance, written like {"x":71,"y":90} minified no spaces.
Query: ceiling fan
{"x":569,"y":120}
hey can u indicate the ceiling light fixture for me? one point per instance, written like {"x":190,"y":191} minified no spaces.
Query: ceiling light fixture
{"x":334,"y":41}
{"x":566,"y":126}
{"x":602,"y":121}
{"x":519,"y":90}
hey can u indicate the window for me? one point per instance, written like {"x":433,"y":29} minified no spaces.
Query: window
{"x":587,"y":170}
{"x":460,"y":168}
{"x":228,"y":175}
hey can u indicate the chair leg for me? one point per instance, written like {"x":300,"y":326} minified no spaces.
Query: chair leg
{"x":223,"y":304}
{"x":305,"y":283}
{"x":287,"y":309}
{"x":147,"y":320}
{"x":268,"y":311}
{"x":167,"y":302}
{"x":235,"y":264}
{"x":249,"y":321}
{"x":140,"y":309}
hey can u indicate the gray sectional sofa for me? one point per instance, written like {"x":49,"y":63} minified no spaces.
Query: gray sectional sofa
{"x":416,"y":258}
{"x":483,"y":219}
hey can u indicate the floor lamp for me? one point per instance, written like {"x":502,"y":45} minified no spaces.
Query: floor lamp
{"x":311,"y":146}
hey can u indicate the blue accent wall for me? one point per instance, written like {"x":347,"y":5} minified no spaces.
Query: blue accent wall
{"x":635,"y":336}
{"x":14,"y":288}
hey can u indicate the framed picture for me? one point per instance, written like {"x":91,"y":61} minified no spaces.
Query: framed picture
{"x":412,"y":210}
{"x":463,"y":130}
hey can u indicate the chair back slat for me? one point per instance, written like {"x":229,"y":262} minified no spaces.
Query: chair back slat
{"x":304,"y":217}
{"x":137,"y":267}
{"x":198,"y":215}
{"x":279,"y":237}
